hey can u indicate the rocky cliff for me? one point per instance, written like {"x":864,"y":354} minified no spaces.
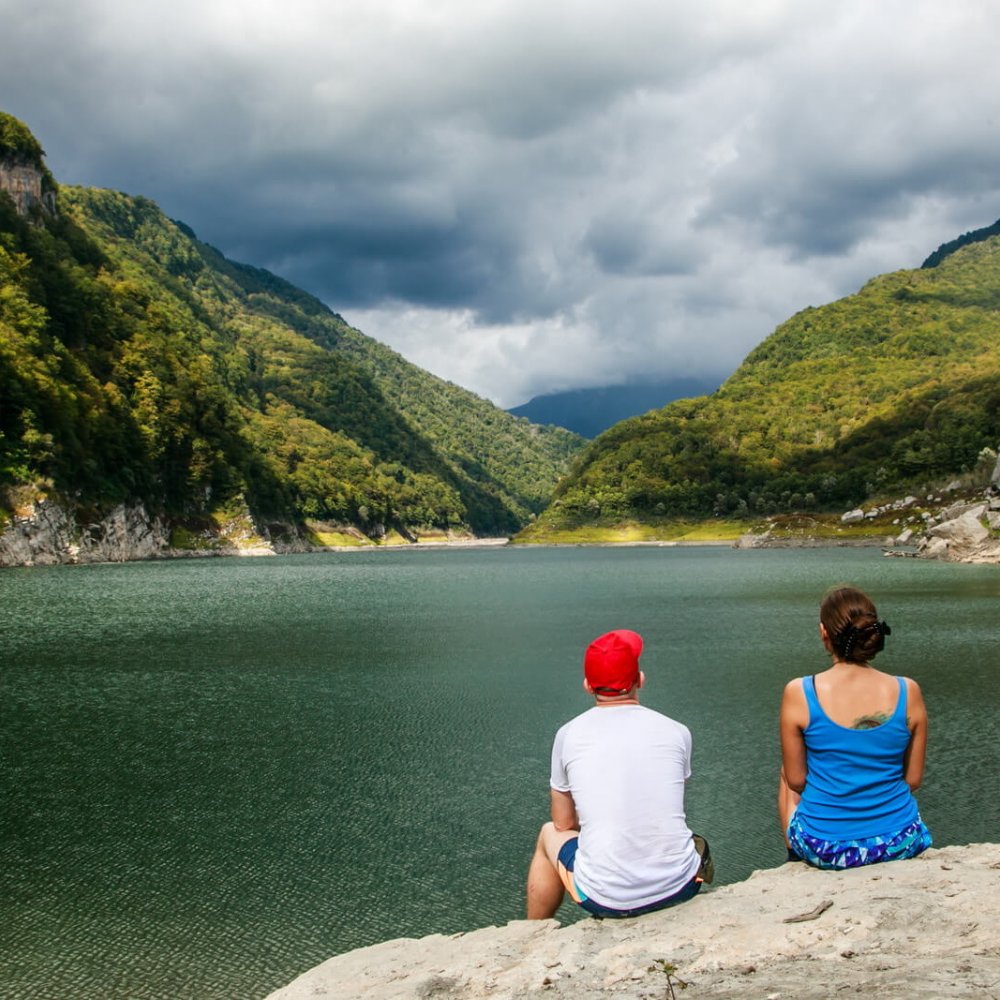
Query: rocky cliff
{"x":46,"y":533}
{"x":23,"y":174}
{"x":926,"y":928}
{"x":25,"y":182}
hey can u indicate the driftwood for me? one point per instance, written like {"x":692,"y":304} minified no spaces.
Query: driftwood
{"x":811,"y":915}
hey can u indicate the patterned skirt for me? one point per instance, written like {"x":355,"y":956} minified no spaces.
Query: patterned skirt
{"x":819,"y":853}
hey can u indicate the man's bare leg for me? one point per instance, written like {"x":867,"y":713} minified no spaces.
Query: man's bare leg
{"x":545,"y":886}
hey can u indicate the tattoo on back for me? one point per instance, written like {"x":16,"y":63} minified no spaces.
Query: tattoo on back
{"x":870,"y":721}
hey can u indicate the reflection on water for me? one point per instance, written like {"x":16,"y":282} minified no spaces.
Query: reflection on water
{"x":216,"y":774}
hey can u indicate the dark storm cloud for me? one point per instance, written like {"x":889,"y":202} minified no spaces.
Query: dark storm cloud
{"x":526,"y":196}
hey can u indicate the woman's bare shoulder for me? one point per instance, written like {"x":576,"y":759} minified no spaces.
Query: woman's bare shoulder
{"x":794,"y":709}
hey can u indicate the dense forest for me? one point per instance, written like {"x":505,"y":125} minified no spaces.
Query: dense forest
{"x":885,"y":390}
{"x":138,"y":364}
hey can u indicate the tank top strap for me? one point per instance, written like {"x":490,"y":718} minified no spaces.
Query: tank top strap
{"x":812,"y":700}
{"x":901,"y":700}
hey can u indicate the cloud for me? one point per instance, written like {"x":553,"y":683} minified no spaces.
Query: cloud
{"x":522,"y":196}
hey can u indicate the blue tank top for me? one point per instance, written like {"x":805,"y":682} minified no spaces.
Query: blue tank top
{"x":854,"y":780}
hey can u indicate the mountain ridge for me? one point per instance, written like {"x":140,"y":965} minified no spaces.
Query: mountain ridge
{"x":895,"y":386}
{"x":140,"y":365}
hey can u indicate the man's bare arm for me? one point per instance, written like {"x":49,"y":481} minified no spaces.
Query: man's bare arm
{"x":563,"y":811}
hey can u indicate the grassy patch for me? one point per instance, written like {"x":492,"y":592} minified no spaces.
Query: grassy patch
{"x":393,"y":537}
{"x":632,"y":532}
{"x":437,"y":537}
{"x":824,"y":526}
{"x":329,"y":538}
{"x":714,"y":531}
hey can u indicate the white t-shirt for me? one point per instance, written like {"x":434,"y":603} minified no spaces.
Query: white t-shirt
{"x":625,"y":766}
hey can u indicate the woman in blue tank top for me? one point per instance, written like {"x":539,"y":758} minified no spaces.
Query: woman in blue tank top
{"x":853,"y":741}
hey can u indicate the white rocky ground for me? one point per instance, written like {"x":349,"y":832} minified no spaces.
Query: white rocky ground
{"x":926,"y":928}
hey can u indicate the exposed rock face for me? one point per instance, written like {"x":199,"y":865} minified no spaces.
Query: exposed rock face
{"x":24,"y":182}
{"x":47,"y":533}
{"x":925,"y":928}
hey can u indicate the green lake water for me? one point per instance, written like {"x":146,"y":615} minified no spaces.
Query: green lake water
{"x":215,"y":774}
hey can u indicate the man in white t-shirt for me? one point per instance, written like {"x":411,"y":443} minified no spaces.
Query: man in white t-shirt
{"x":618,"y":841}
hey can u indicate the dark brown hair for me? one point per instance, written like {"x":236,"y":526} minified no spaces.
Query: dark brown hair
{"x":852,"y":624}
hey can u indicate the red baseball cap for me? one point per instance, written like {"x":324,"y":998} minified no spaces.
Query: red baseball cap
{"x":611,"y":663}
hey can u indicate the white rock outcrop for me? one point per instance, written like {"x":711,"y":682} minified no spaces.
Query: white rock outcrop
{"x":926,"y":928}
{"x":25,"y":183}
{"x":964,"y":537}
{"x":47,"y":533}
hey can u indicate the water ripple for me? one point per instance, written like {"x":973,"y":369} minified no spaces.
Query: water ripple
{"x":219,"y":773}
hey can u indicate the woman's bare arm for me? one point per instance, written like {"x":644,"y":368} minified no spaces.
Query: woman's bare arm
{"x":793,"y":718}
{"x":916,"y":719}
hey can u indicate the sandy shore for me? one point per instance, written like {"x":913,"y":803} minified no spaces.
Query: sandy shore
{"x":926,"y":928}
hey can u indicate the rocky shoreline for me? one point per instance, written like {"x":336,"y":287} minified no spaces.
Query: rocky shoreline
{"x":925,"y":928}
{"x":959,"y":523}
{"x":48,"y":533}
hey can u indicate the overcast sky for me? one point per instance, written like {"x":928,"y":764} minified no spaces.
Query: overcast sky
{"x":531,"y":195}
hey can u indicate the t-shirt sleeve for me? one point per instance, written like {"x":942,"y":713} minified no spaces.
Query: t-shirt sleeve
{"x":687,"y":751}
{"x":558,"y":778}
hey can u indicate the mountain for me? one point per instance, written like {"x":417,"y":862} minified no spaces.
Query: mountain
{"x":138,"y":364}
{"x":888,"y":389}
{"x":590,"y":411}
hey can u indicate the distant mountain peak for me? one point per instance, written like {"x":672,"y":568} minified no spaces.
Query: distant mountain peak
{"x":594,"y":409}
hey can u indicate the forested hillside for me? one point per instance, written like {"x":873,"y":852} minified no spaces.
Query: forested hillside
{"x":139,"y":364}
{"x":896,"y":386}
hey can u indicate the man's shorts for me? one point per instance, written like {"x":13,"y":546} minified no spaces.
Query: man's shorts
{"x":567,"y":860}
{"x":821,"y":853}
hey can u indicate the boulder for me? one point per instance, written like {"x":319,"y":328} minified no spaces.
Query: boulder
{"x":934,"y":548}
{"x":965,"y":530}
{"x":961,"y":539}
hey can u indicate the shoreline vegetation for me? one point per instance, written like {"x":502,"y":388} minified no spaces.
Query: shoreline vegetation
{"x":959,"y":522}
